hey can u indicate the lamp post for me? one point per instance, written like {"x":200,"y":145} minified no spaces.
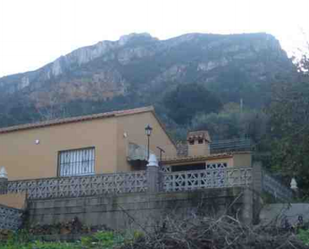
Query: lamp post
{"x":148,"y":130}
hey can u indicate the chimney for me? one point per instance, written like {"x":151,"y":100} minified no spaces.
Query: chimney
{"x":198,"y":143}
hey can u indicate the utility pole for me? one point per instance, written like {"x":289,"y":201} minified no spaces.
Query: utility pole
{"x":241,"y":105}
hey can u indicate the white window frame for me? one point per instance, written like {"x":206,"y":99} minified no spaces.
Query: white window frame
{"x":76,"y":162}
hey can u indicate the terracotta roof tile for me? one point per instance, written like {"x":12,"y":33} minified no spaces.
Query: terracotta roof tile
{"x":203,"y":158}
{"x":192,"y":135}
{"x":76,"y":119}
{"x":197,"y":158}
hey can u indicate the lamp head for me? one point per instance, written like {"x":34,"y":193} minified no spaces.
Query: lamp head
{"x":148,"y":130}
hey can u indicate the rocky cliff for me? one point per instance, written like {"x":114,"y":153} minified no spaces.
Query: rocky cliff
{"x":233,"y":66}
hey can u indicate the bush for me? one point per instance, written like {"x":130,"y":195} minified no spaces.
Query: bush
{"x":303,"y":235}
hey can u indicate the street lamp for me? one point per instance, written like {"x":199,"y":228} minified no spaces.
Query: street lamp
{"x":148,"y":130}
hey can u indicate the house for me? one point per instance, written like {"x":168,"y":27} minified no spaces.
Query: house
{"x":104,"y":143}
{"x":196,"y":155}
{"x":94,"y":144}
{"x":40,"y":159}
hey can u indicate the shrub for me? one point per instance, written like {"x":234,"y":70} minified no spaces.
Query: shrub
{"x":303,"y":235}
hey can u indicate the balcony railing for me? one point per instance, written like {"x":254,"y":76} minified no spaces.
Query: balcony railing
{"x":231,"y":145}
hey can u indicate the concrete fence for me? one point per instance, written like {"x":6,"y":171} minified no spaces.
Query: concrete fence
{"x":78,"y":186}
{"x":10,"y":218}
{"x":264,"y":182}
{"x":149,"y":193}
{"x":152,"y":180}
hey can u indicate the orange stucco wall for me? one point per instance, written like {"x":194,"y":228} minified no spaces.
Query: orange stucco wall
{"x":242,"y":159}
{"x":134,"y":128}
{"x":14,"y":200}
{"x":197,"y":149}
{"x":24,"y":159}
{"x":237,"y":160}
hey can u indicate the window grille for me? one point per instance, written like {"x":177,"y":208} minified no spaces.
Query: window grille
{"x":76,"y":162}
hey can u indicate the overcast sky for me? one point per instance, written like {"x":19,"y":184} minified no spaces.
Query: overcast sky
{"x":36,"y":32}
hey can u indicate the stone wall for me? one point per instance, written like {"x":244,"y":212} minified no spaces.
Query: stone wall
{"x":138,"y":210}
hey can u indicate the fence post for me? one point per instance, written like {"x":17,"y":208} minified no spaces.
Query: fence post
{"x":153,"y":174}
{"x":294,"y":188}
{"x":257,"y":176}
{"x":257,"y":185}
{"x":247,"y":210}
{"x":3,"y":181}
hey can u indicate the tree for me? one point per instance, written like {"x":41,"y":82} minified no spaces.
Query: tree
{"x":186,"y":100}
{"x":290,"y":124}
{"x":232,"y":122}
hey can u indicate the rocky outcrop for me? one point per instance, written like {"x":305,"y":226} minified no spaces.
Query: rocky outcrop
{"x":141,"y":63}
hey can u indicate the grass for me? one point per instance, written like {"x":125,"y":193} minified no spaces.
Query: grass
{"x":100,"y":239}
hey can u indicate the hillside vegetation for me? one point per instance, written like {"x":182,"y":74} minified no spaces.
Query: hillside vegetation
{"x":182,"y":77}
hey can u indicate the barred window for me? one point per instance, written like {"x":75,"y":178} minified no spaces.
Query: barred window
{"x":76,"y":162}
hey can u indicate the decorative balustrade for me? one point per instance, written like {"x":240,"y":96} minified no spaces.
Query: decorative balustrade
{"x":77,"y":186}
{"x":275,"y":188}
{"x":137,"y":182}
{"x":10,"y":218}
{"x":210,"y":178}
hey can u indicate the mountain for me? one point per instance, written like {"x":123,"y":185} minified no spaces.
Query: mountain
{"x":139,"y":69}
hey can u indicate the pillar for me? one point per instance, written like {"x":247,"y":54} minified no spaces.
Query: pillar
{"x":247,"y":210}
{"x":153,"y":174}
{"x":257,"y":185}
{"x":3,"y":180}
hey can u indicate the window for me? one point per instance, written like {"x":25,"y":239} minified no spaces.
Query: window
{"x":194,"y":166}
{"x":76,"y":162}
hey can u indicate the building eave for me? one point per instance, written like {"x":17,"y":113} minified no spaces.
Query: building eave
{"x":197,"y":158}
{"x":75,"y":119}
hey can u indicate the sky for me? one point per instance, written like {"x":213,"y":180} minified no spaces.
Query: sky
{"x":36,"y":32}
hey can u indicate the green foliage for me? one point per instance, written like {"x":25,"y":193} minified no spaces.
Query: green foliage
{"x":100,"y":239}
{"x":289,"y":112}
{"x":232,"y":122}
{"x":103,"y":239}
{"x":303,"y":235}
{"x":187,"y":100}
{"x":55,"y":245}
{"x":41,"y":245}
